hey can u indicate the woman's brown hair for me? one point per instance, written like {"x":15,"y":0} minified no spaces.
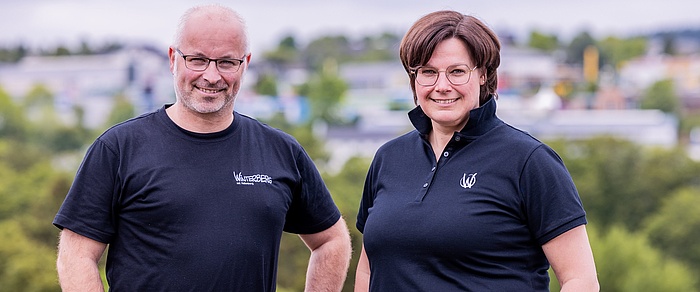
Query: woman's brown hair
{"x":482,"y":43}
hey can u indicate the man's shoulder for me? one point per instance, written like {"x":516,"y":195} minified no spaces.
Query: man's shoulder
{"x":139,"y":126}
{"x":262,"y":130}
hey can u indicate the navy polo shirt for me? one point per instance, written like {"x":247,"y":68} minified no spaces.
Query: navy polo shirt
{"x":474,"y":220}
{"x":183,"y":211}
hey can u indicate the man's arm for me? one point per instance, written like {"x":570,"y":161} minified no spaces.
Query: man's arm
{"x":330,"y":258}
{"x":77,"y":262}
{"x":572,"y":260}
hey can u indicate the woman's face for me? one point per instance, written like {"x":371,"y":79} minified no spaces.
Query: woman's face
{"x":446,"y":104}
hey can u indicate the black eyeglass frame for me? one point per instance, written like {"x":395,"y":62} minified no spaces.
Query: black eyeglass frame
{"x":209,"y":60}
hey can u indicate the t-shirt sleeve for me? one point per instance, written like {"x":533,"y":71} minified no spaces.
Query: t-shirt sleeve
{"x":552,"y":202}
{"x":87,"y":208}
{"x":312,"y":209}
{"x":367,"y":200}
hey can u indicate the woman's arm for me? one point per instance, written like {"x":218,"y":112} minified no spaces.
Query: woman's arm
{"x":362,"y":273}
{"x":572,"y":260}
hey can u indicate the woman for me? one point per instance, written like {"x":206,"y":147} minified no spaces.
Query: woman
{"x":465,"y":201}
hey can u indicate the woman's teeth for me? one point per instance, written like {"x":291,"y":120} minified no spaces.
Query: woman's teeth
{"x":445,"y":101}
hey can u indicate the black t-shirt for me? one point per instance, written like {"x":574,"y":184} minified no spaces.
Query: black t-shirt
{"x":183,"y":211}
{"x":474,"y":220}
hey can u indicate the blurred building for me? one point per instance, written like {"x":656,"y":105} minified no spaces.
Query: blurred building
{"x":92,"y":81}
{"x":644,"y":127}
{"x":638,"y":74}
{"x":525,"y":70}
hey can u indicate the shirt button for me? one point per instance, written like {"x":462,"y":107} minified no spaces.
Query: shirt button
{"x":433,"y":169}
{"x":446,"y":154}
{"x":425,"y":185}
{"x":458,"y":138}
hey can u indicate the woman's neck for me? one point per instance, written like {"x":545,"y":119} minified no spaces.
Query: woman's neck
{"x":438,"y":140}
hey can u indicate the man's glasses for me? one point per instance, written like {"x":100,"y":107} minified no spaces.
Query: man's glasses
{"x":199,"y":63}
{"x":457,"y":74}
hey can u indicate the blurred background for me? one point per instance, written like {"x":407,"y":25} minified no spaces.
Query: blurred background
{"x":612,"y":86}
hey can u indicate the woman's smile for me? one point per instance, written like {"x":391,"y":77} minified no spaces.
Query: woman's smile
{"x":444,"y":101}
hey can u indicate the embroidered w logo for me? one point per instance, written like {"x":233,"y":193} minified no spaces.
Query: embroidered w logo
{"x":468,"y":181}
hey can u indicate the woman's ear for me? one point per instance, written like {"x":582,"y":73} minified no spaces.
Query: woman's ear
{"x":482,"y":79}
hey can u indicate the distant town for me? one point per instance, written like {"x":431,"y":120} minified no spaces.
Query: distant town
{"x":642,"y":88}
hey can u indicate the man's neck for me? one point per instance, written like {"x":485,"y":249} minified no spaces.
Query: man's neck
{"x":198,"y":122}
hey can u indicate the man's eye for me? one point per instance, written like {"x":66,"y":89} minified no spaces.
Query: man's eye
{"x":197,"y":61}
{"x":227,"y":63}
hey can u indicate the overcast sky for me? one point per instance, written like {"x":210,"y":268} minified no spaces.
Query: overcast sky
{"x":46,"y":23}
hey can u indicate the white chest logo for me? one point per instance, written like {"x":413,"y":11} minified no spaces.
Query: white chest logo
{"x":468,"y":180}
{"x":242,"y":179}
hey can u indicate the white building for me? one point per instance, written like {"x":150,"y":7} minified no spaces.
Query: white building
{"x":92,"y":81}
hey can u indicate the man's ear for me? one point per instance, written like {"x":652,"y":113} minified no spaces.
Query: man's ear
{"x":171,"y":56}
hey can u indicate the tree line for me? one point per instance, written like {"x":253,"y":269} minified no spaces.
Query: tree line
{"x":383,"y":46}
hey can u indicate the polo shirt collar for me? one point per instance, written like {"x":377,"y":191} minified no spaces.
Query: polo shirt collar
{"x":481,"y":119}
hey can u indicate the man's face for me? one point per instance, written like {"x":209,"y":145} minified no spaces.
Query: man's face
{"x":209,"y":91}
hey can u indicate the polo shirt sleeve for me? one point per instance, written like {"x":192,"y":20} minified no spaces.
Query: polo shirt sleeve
{"x":552,"y":203}
{"x":87,"y":208}
{"x":312,"y":209}
{"x":368,"y":195}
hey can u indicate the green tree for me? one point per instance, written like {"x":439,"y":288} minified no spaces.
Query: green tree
{"x":62,"y":138}
{"x":39,"y":98}
{"x":52,"y":130}
{"x":13,"y":122}
{"x":293,"y":260}
{"x":266,"y":85}
{"x":662,"y":96}
{"x":543,"y":42}
{"x":626,"y":261}
{"x":688,"y":122}
{"x":320,"y":50}
{"x":122,"y":110}
{"x":62,"y":51}
{"x":575,"y":49}
{"x":669,"y":44}
{"x":85,"y":48}
{"x":29,"y":180}
{"x":30,"y":193}
{"x":383,"y":47}
{"x":325,"y":92}
{"x":286,"y":52}
{"x":615,"y":51}
{"x":13,"y":55}
{"x":305,"y":136}
{"x":675,"y":228}
{"x":621,"y":182}
{"x":25,"y":265}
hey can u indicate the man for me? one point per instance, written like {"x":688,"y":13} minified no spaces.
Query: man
{"x":194,"y":196}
